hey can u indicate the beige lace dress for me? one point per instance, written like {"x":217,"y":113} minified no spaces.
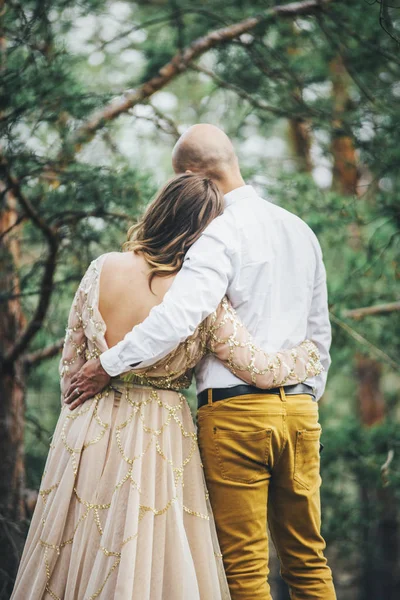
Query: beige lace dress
{"x":123,"y":511}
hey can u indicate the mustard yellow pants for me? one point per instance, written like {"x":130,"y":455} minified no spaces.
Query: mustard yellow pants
{"x":261,"y":460}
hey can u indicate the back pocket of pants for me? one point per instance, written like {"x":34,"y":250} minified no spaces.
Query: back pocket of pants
{"x":242,"y":455}
{"x":307,"y":458}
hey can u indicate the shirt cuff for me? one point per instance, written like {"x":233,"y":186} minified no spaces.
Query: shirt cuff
{"x":111,"y":362}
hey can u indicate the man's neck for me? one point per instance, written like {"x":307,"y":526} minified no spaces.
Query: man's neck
{"x":231,"y":184}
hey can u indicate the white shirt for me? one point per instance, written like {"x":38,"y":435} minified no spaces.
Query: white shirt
{"x":269,"y":263}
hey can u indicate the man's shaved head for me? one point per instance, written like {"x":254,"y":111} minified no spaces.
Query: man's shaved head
{"x":206,"y":149}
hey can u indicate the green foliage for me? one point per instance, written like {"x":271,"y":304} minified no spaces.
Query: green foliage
{"x":65,"y":60}
{"x":368,"y":272}
{"x":358,"y":492}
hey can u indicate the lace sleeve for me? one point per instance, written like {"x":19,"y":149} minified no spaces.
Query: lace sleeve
{"x":229,"y":340}
{"x":75,"y":342}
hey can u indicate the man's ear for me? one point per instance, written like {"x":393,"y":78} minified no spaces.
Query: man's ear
{"x":189,"y":171}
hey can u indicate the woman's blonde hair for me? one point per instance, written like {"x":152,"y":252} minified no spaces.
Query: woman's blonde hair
{"x":173,"y":221}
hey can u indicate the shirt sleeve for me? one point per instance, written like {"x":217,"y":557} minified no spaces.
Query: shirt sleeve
{"x":206,"y":273}
{"x":319,"y":327}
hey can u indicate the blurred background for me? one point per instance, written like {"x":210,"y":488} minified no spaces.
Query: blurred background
{"x":94,"y":95}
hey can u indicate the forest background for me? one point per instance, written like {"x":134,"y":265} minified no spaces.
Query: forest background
{"x":94,"y":94}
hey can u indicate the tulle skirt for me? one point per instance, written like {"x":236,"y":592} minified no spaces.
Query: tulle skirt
{"x":123,"y":510}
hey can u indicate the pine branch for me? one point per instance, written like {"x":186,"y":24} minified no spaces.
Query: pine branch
{"x":258,"y":104}
{"x":17,"y":222}
{"x":35,"y":323}
{"x":13,"y":185}
{"x":164,"y":122}
{"x":341,"y":51}
{"x":46,"y":286}
{"x":73,"y":217}
{"x":369,"y":346}
{"x":378,"y":309}
{"x":41,"y":433}
{"x":38,"y":356}
{"x":179,"y":64}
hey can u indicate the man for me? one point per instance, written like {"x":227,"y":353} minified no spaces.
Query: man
{"x":260,"y":449}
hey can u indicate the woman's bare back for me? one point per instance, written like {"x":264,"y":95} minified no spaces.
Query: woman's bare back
{"x":125,"y":298}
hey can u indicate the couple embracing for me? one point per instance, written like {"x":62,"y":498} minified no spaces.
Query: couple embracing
{"x":134,"y":503}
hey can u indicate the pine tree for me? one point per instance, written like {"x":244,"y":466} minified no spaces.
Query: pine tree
{"x":322,"y":73}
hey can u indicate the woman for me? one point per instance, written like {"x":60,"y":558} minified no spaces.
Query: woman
{"x":123,"y":511}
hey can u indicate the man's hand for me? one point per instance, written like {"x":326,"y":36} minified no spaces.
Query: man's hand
{"x":88,"y":382}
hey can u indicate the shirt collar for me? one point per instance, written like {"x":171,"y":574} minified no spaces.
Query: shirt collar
{"x":244,"y":191}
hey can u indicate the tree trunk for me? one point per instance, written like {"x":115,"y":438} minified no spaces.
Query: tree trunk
{"x":345,"y":172}
{"x":371,"y":404}
{"x":299,"y":132}
{"x":12,"y":511}
{"x":12,"y":389}
{"x":379,"y":510}
{"x":300,"y":141}
{"x":379,"y":528}
{"x":388,"y":536}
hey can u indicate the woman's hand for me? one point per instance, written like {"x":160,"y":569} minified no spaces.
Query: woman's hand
{"x":86,"y":383}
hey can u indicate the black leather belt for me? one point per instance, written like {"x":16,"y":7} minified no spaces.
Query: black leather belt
{"x":243,"y":390}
